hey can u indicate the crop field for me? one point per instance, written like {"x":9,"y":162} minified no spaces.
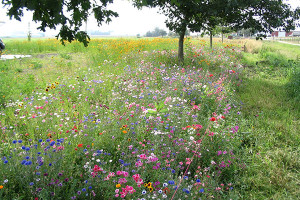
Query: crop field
{"x":122,"y":119}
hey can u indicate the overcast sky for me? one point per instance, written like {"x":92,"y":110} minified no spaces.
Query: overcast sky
{"x":131,"y":21}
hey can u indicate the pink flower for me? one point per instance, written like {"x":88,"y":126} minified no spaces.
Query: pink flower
{"x":138,"y":164}
{"x":195,"y":107}
{"x":111,"y":174}
{"x":125,"y":174}
{"x":143,"y":156}
{"x":140,"y":182}
{"x":122,"y":180}
{"x":119,"y":173}
{"x":136,"y":177}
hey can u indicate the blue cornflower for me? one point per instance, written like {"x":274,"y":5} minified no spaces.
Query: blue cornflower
{"x":27,"y":148}
{"x":48,"y":140}
{"x":186,"y":177}
{"x":6,"y":161}
{"x":23,"y":162}
{"x":173,"y":171}
{"x":83,"y":189}
{"x":28,"y":162}
{"x":198,"y":180}
{"x":40,"y":140}
{"x":23,"y":147}
{"x":20,"y":141}
{"x":171,"y":182}
{"x":14,"y":142}
{"x":52,"y":143}
{"x":50,"y":164}
{"x":27,"y":157}
{"x":31,"y":183}
{"x":201,"y":190}
{"x":90,"y":187}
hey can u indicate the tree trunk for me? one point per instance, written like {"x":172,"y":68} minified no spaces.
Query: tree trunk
{"x":180,"y":47}
{"x":211,"y":37}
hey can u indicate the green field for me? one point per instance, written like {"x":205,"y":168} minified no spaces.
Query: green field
{"x":122,"y":119}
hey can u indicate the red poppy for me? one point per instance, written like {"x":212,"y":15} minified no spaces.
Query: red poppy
{"x":80,"y":145}
{"x":211,"y":75}
{"x":212,"y":119}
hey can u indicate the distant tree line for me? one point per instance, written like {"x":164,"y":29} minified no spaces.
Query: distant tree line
{"x":156,"y":33}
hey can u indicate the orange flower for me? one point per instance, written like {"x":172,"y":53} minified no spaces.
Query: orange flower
{"x":1,"y":186}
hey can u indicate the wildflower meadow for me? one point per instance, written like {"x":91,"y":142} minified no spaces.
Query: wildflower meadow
{"x":121,"y":119}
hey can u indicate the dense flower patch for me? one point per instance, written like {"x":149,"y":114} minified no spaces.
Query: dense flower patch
{"x":154,"y":131}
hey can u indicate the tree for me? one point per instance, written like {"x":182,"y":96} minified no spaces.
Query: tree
{"x":70,"y":14}
{"x":207,"y":14}
{"x":163,"y":33}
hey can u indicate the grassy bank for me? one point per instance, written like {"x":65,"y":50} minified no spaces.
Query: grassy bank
{"x":270,"y":95}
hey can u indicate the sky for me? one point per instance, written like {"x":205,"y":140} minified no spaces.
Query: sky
{"x":130,"y":22}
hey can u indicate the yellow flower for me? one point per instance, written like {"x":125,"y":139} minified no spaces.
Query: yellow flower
{"x":150,"y":189}
{"x":118,"y":185}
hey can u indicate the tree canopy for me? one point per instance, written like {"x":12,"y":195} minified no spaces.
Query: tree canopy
{"x":70,"y":14}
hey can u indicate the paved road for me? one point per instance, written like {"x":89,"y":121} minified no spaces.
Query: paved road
{"x":289,"y":43}
{"x":8,"y":57}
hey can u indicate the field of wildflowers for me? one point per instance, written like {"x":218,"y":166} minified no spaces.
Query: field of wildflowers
{"x":121,"y":120}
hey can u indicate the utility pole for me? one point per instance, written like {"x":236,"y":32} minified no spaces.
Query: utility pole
{"x":29,"y":33}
